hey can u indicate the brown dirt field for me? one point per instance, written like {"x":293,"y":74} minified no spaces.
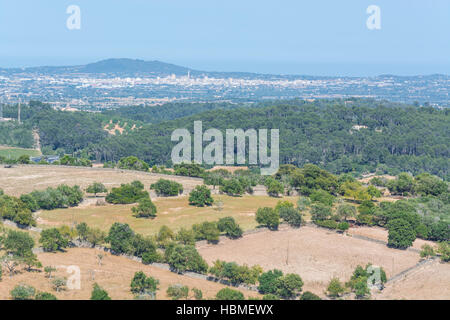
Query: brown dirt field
{"x":382,"y":234}
{"x":430,"y":282}
{"x":315,"y":254}
{"x":114,"y":276}
{"x":26,"y":178}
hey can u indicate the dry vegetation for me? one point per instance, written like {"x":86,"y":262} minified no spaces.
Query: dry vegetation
{"x":114,"y":275}
{"x":430,"y":282}
{"x":26,"y":178}
{"x":173,"y":212}
{"x":317,"y":255}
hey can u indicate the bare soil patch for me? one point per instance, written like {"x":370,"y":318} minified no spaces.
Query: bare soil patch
{"x":430,"y":282}
{"x":114,"y":275}
{"x":315,"y":254}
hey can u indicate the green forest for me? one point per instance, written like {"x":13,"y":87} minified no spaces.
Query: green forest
{"x":341,"y":136}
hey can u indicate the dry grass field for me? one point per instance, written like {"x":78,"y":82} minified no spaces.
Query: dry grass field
{"x":172,"y":212}
{"x":317,"y":255}
{"x":379,"y":233}
{"x":114,"y":275}
{"x":26,"y":178}
{"x":430,"y":282}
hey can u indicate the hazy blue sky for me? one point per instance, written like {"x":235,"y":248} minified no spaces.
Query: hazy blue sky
{"x":320,"y":37}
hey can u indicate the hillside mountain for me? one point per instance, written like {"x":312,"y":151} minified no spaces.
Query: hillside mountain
{"x":136,"y":67}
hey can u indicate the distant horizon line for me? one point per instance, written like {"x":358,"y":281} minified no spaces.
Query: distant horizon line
{"x":248,"y":72}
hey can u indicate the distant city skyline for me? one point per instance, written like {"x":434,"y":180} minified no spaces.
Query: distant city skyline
{"x":323,"y":37}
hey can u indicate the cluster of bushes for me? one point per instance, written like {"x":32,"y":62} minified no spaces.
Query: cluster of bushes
{"x":167,"y":188}
{"x":276,"y":284}
{"x":360,"y":282}
{"x":56,"y":239}
{"x":123,"y":240}
{"x":127,"y":193}
{"x":62,"y":196}
{"x":189,"y":170}
{"x":234,"y":273}
{"x":271,"y":217}
{"x":209,"y":231}
{"x":26,"y":292}
{"x":423,"y":184}
{"x":133,"y":163}
{"x":443,"y":249}
{"x":201,"y":196}
{"x":182,"y":258}
{"x":14,"y":209}
{"x":72,"y":161}
{"x":180,"y":292}
{"x":408,"y":219}
{"x":145,"y":209}
{"x":161,"y":170}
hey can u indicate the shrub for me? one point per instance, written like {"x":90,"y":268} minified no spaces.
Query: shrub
{"x":345,"y":211}
{"x":144,"y":209}
{"x":320,"y":211}
{"x":185,"y":258}
{"x":289,"y":286}
{"x":189,"y":169}
{"x":127,"y":193}
{"x":96,"y":187}
{"x":141,"y":284}
{"x":18,"y":243}
{"x":268,"y":281}
{"x":185,"y":236}
{"x":444,"y":251}
{"x":229,"y":294}
{"x":268,"y":217}
{"x":23,"y":292}
{"x":230,"y":227}
{"x":291,"y":216}
{"x":61,"y":197}
{"x":45,"y":296}
{"x":98,"y":293}
{"x":198,"y":294}
{"x":200,"y":197}
{"x":274,"y":188}
{"x":235,"y":273}
{"x":343,"y":226}
{"x":52,"y":240}
{"x":427,"y":251}
{"x":401,"y":234}
{"x":321,"y":196}
{"x":335,"y":288}
{"x":206,"y":231}
{"x":178,"y":292}
{"x":232,"y":187}
{"x":330,"y":224}
{"x":15,"y":210}
{"x":133,"y":163}
{"x":309,"y":296}
{"x":167,"y":188}
{"x":121,"y":238}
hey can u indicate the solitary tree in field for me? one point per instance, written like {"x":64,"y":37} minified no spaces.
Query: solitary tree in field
{"x":98,"y":293}
{"x":96,"y":187}
{"x":201,"y":196}
{"x":144,"y":209}
{"x":335,"y":288}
